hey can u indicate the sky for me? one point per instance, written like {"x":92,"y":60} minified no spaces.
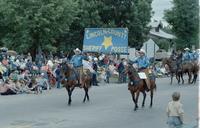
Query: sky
{"x":158,"y":7}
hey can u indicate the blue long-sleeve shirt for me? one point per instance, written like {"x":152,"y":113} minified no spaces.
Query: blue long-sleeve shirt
{"x":187,"y":56}
{"x":142,"y":62}
{"x":77,"y":60}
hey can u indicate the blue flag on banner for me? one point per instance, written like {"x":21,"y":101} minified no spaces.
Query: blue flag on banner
{"x":106,"y":40}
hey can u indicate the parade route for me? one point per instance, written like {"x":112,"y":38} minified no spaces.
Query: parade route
{"x":110,"y":106}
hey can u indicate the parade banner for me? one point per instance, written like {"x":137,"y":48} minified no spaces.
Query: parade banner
{"x":106,"y":40}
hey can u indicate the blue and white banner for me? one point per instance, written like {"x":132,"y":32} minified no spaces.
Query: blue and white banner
{"x":106,"y":40}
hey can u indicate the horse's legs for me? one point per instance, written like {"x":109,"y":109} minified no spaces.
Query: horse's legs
{"x":69,"y":90}
{"x":194,"y":78}
{"x":88,"y":98}
{"x":151,"y":95}
{"x":137,"y":97}
{"x":171,"y":78}
{"x":190,"y":76}
{"x":181,"y":74}
{"x":86,"y":94}
{"x":133,"y":97}
{"x":178,"y":77}
{"x":69,"y":95}
{"x":144,"y":97}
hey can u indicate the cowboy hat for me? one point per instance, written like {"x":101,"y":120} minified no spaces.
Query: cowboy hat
{"x":142,"y":51}
{"x":95,"y":59}
{"x":186,"y":49}
{"x":77,"y":50}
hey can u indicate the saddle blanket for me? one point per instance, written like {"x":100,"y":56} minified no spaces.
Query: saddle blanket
{"x":142,"y":75}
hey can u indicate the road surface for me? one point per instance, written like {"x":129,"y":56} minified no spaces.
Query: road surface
{"x":110,"y":106}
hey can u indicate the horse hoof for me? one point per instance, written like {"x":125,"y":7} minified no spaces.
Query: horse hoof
{"x":69,"y":103}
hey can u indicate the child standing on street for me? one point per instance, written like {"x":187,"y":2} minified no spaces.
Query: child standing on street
{"x":175,"y":112}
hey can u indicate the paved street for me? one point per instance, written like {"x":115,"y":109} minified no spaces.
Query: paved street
{"x":111,"y":106}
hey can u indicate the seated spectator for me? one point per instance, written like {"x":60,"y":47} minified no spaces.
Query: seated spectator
{"x":7,"y":89}
{"x":43,"y":82}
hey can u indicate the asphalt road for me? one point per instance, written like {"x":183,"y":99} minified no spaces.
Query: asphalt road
{"x":110,"y":106}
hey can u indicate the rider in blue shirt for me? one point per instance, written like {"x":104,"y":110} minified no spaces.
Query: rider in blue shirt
{"x":195,"y":55}
{"x":142,"y":61}
{"x":186,"y":55}
{"x":143,"y":64}
{"x":77,"y":61}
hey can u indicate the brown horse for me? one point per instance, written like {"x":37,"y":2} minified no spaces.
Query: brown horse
{"x":137,"y":85}
{"x":172,"y":67}
{"x":195,"y":71}
{"x":70,"y":81}
{"x":187,"y":68}
{"x":190,"y":67}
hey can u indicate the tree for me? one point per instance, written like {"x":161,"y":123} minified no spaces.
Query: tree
{"x":33,"y":24}
{"x":52,"y":25}
{"x":184,"y":19}
{"x":88,"y":16}
{"x":131,"y":14}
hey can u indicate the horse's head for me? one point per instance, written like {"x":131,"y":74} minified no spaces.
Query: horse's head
{"x":65,"y":70}
{"x":130,"y":70}
{"x":169,"y":64}
{"x":166,"y":61}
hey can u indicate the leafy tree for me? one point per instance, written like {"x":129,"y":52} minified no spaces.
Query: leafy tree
{"x":184,"y":19}
{"x":132,"y":14}
{"x":32,"y":24}
{"x":88,"y":16}
{"x":53,"y":25}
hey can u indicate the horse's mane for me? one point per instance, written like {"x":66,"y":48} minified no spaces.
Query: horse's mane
{"x":132,"y":71}
{"x":170,"y":62}
{"x":66,"y":69}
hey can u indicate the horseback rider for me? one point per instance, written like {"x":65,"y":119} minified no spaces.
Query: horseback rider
{"x":143,"y":63}
{"x":77,"y":61}
{"x":195,"y":55}
{"x":187,"y":56}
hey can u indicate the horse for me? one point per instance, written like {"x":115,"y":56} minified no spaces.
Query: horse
{"x":190,"y":67}
{"x":195,"y":71}
{"x":70,"y":80}
{"x":137,"y":85}
{"x":171,"y":64}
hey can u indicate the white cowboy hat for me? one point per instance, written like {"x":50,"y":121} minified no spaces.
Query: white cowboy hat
{"x":186,"y":49}
{"x":142,"y":51}
{"x":77,"y":50}
{"x":95,"y":59}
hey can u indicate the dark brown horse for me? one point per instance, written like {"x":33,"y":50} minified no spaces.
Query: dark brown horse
{"x":195,"y":71}
{"x":70,"y":81}
{"x":137,"y":85}
{"x":187,"y":67}
{"x":172,"y":67}
{"x":178,"y":68}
